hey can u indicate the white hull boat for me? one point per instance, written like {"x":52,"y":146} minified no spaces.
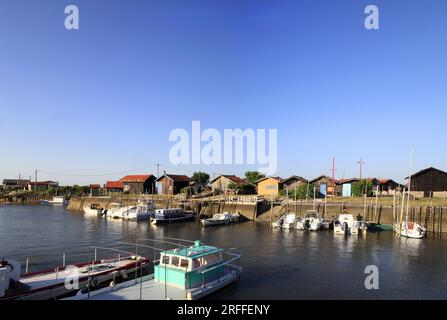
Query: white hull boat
{"x":94,"y":209}
{"x":411,"y":230}
{"x":143,"y":211}
{"x":55,"y":201}
{"x":311,"y":221}
{"x":289,"y":221}
{"x":51,"y":284}
{"x":347,"y":225}
{"x":221,"y":218}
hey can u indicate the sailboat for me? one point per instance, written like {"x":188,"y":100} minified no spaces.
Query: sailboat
{"x":405,"y":228}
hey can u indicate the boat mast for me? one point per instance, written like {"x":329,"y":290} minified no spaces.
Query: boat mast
{"x":409,"y":184}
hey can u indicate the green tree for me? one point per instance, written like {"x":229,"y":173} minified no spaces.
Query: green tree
{"x":202,"y":179}
{"x":253,"y":176}
{"x":359,"y":188}
{"x":301,"y":191}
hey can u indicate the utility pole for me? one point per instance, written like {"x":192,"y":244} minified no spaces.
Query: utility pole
{"x":360,"y":163}
{"x":158,"y":170}
{"x":333,"y":177}
{"x":35,"y":180}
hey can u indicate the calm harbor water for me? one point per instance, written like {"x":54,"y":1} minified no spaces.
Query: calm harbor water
{"x":278,"y":264}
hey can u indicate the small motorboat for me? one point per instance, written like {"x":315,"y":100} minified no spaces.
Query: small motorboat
{"x":143,"y":211}
{"x":118,"y":211}
{"x":55,"y":201}
{"x":289,"y":221}
{"x":94,"y":209}
{"x":171,"y":215}
{"x":50,"y":284}
{"x":346,"y":224}
{"x":221,"y":218}
{"x":311,"y":221}
{"x":410,"y":230}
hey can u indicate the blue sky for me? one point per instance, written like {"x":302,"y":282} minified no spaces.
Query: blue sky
{"x":104,"y":98}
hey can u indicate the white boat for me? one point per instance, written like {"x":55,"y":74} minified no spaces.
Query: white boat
{"x":221,"y":218}
{"x":143,"y":211}
{"x":94,"y":209}
{"x":311,"y":221}
{"x":184,"y":273}
{"x":410,"y":230}
{"x":55,"y":201}
{"x":346,"y":224}
{"x":289,"y":221}
{"x":50,"y":284}
{"x":118,"y":211}
{"x":171,"y":215}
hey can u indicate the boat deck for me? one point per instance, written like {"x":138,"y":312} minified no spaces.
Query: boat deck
{"x":149,"y":290}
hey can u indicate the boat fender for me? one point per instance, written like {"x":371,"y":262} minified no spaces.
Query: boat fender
{"x":123,"y":274}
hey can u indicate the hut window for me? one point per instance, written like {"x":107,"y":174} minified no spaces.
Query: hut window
{"x":165,"y":260}
{"x":175,"y":261}
{"x":196,"y":263}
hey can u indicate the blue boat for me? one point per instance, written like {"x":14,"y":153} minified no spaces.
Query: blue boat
{"x":183,"y":273}
{"x":171,"y":215}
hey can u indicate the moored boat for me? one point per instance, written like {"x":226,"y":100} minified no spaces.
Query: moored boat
{"x":289,"y":221}
{"x":221,"y":218}
{"x":94,"y":209}
{"x":184,"y":273}
{"x":410,"y":230}
{"x":346,"y":224}
{"x":55,"y":201}
{"x":142,"y":211}
{"x":51,"y":284}
{"x":171,"y":215}
{"x":311,"y":221}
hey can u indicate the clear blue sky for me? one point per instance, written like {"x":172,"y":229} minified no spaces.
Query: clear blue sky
{"x":103,"y":99}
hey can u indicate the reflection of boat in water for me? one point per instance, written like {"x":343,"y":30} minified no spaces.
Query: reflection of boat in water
{"x":410,"y":230}
{"x":186,"y":272}
{"x":171,"y":215}
{"x":311,"y":221}
{"x":221,"y":218}
{"x":55,"y":201}
{"x":51,"y":284}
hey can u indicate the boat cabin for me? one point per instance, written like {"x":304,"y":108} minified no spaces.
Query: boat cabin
{"x":170,"y":213}
{"x":190,"y":267}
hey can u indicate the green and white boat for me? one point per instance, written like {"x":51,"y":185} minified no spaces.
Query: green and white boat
{"x":183,"y":273}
